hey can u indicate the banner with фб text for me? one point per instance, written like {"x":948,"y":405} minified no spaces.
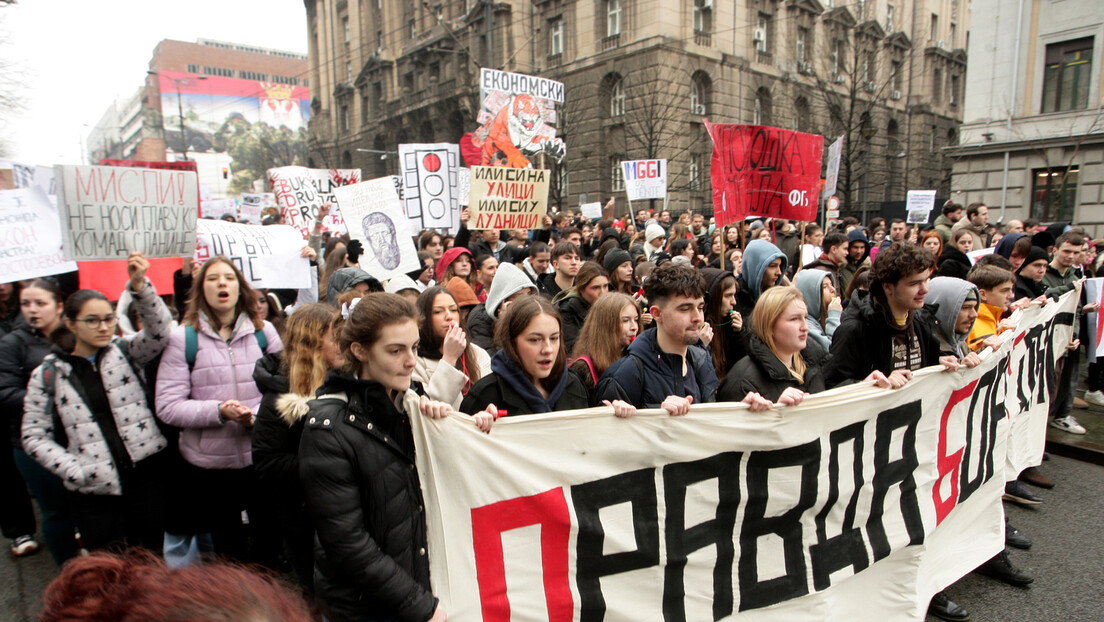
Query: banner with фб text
{"x":858,"y":502}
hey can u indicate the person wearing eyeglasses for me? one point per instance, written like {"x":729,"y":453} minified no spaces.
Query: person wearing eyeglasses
{"x":88,"y":420}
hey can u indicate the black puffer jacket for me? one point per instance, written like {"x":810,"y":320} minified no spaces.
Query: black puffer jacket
{"x":21,"y":351}
{"x":761,"y":371}
{"x":481,"y":328}
{"x":953,"y":262}
{"x":356,"y":463}
{"x":862,"y":342}
{"x":573,"y":310}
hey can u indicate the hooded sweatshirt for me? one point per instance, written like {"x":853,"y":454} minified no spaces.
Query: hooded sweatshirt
{"x":345,"y":279}
{"x":947,"y":295}
{"x":1004,"y":246}
{"x":401,"y":283}
{"x":809,"y":282}
{"x":757,"y":256}
{"x":508,"y":280}
{"x":446,"y":260}
{"x":849,"y":268}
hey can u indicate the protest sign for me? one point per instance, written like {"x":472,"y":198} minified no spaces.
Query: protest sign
{"x":860,"y":502}
{"x":30,"y":236}
{"x":301,"y":191}
{"x":109,"y":211}
{"x":268,"y":257}
{"x":591,"y":211}
{"x":1095,"y":320}
{"x":517,"y":118}
{"x":253,"y":204}
{"x":919,"y":205}
{"x":764,"y":171}
{"x":375,"y":217}
{"x":645,"y":179}
{"x":503,"y":198}
{"x":16,"y":175}
{"x":831,"y":177}
{"x":978,"y":254}
{"x":110,"y":277}
{"x":217,"y":208}
{"x":430,"y":175}
{"x":463,"y":186}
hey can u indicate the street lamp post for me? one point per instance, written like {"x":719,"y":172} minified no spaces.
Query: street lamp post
{"x":180,"y":108}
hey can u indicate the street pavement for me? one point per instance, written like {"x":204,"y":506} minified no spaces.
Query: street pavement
{"x":1067,"y":559}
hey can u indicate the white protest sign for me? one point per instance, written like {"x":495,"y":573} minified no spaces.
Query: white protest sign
{"x":591,"y":211}
{"x":375,"y":217}
{"x":300,"y":193}
{"x":978,"y":254}
{"x":269,"y":257}
{"x":252,"y":205}
{"x":835,"y":153}
{"x":919,"y":205}
{"x":430,"y":185}
{"x":645,"y":179}
{"x":217,"y":208}
{"x":858,"y":500}
{"x":463,"y":186}
{"x":109,"y":211}
{"x":1094,"y":288}
{"x":30,"y":236}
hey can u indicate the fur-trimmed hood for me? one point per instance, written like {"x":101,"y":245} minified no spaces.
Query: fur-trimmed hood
{"x":292,"y":407}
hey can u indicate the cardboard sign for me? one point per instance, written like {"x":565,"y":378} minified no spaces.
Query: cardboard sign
{"x":30,"y":236}
{"x":517,"y":119}
{"x":645,"y":179}
{"x":592,"y":211}
{"x":109,"y":211}
{"x":253,"y":204}
{"x":430,"y":175}
{"x":505,"y":198}
{"x":919,"y":205}
{"x":217,"y":208}
{"x":375,"y":217}
{"x":764,"y":171}
{"x":268,"y":257}
{"x":835,"y":154}
{"x":301,"y":191}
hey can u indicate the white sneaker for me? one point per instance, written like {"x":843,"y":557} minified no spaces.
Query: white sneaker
{"x":23,"y":545}
{"x":1096,"y":398}
{"x":1067,"y":424}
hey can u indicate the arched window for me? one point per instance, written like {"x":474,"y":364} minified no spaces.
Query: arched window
{"x":346,"y":160}
{"x":803,"y":119}
{"x":700,"y":90}
{"x":763,"y":113}
{"x":613,"y":95}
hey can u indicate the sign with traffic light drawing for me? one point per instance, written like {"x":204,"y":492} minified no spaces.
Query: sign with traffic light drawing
{"x":429,"y":182}
{"x":764,"y":171}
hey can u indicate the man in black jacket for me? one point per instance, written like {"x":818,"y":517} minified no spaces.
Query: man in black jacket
{"x":881,"y":331}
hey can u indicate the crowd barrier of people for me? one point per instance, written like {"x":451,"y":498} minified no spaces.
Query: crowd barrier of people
{"x":217,"y":422}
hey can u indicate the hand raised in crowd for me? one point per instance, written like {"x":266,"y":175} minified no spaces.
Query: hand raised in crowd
{"x":433,"y":409}
{"x":137,"y":265}
{"x":705,"y":333}
{"x":1043,"y":300}
{"x":454,"y":345}
{"x":1073,"y":345}
{"x":677,"y":406}
{"x":645,"y":320}
{"x":323,"y":211}
{"x":195,"y":267}
{"x":971,"y":360}
{"x":308,"y":252}
{"x":621,"y":408}
{"x":546,"y":222}
{"x":233,"y":410}
{"x":465,"y":216}
{"x":1090,"y":307}
{"x":792,"y":396}
{"x":484,"y":419}
{"x":757,"y":403}
{"x":993,"y":342}
{"x":1007,"y":324}
{"x":950,"y":363}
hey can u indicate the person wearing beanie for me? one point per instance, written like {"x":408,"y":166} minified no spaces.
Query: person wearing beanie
{"x":404,"y":286}
{"x":464,"y":295}
{"x":619,"y":266}
{"x":509,"y":283}
{"x":654,"y":237}
{"x":345,"y":279}
{"x":1029,"y":278}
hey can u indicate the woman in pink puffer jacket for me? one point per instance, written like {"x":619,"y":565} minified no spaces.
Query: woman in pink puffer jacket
{"x":213,"y":400}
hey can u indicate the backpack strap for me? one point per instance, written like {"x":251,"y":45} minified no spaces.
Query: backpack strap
{"x":262,"y":340}
{"x":590,"y":365}
{"x":191,"y":345}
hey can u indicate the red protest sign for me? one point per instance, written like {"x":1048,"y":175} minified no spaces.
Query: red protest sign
{"x":764,"y":171}
{"x":110,"y":277}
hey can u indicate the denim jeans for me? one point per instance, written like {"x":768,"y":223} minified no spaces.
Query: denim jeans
{"x":53,"y":502}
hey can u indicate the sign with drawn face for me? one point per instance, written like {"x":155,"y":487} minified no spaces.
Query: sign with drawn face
{"x":375,"y":217}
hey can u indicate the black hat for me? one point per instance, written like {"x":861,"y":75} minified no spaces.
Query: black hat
{"x":615,"y":257}
{"x":1033,"y":255}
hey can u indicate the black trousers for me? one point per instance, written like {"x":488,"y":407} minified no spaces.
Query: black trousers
{"x":16,"y":514}
{"x":134,"y":518}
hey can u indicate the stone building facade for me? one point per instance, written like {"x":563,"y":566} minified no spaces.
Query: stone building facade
{"x":1033,"y":133}
{"x":641,"y":74}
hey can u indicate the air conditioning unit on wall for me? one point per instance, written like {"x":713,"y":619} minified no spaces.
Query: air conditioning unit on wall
{"x":895,"y":95}
{"x":758,"y":35}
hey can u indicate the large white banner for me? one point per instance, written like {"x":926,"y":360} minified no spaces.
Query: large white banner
{"x":269,"y":257}
{"x":109,"y":211}
{"x":30,"y":236}
{"x":859,"y":503}
{"x":375,"y":217}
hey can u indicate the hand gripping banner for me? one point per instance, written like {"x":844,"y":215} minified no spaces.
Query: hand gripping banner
{"x":859,"y":502}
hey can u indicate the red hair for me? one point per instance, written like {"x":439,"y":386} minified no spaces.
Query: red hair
{"x":138,"y":586}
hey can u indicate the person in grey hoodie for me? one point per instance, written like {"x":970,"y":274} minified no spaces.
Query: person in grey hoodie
{"x":822,"y":302}
{"x":344,"y":279}
{"x":509,"y":282}
{"x":764,"y":267}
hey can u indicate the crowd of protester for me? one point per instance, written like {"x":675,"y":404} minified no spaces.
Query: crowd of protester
{"x":266,"y":427}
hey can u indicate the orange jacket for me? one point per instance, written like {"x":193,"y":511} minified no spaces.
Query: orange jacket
{"x":986,"y":325}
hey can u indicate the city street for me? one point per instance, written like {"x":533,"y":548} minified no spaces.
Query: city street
{"x":1065,"y":560}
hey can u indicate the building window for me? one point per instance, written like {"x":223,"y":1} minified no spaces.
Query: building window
{"x":617,"y":175}
{"x":349,"y":71}
{"x":193,"y":68}
{"x":1054,"y":193}
{"x":889,"y":27}
{"x":695,"y":170}
{"x":869,"y":69}
{"x":617,"y":98}
{"x":1067,"y":76}
{"x":951,"y":40}
{"x":761,"y":34}
{"x":218,"y":71}
{"x":895,"y":75}
{"x":556,"y":37}
{"x":934,"y":27}
{"x":762,"y":112}
{"x":952,"y":97}
{"x":345,"y":117}
{"x":801,"y":43}
{"x":252,"y":75}
{"x":837,"y":59}
{"x":348,"y":33}
{"x":699,"y":95}
{"x":377,"y":95}
{"x":860,"y":10}
{"x":937,"y":86}
{"x":703,"y":10}
{"x":364,"y":108}
{"x":613,"y":18}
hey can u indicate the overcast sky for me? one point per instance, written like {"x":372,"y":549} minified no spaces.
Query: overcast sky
{"x":77,"y":56}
